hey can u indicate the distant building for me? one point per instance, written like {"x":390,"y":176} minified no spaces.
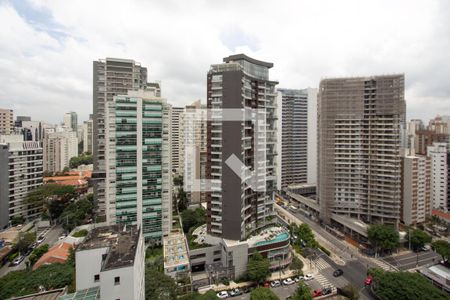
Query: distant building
{"x":71,"y":121}
{"x":111,"y":77}
{"x":56,"y":254}
{"x":138,"y":176}
{"x":177,"y":140}
{"x":88,"y":135}
{"x":416,"y":188}
{"x":359,"y":143}
{"x":297,"y":142}
{"x":439,"y":125}
{"x":439,"y":176}
{"x":20,"y":172}
{"x":59,"y":148}
{"x":110,"y":262}
{"x":6,"y":121}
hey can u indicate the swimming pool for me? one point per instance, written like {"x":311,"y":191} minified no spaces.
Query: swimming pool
{"x":279,"y":238}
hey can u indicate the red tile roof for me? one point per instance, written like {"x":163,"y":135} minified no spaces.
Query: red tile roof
{"x":440,"y":214}
{"x":56,"y":254}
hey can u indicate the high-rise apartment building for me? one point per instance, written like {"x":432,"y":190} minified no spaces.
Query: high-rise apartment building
{"x":138,"y":175}
{"x":177,"y":140}
{"x":20,"y":173}
{"x":59,"y":148}
{"x":297,"y":150}
{"x":359,"y":137}
{"x":71,"y":121}
{"x":241,"y":146}
{"x":416,"y":187}
{"x":439,"y":175}
{"x":438,"y":125}
{"x":6,"y":121}
{"x":88,"y":135}
{"x":194,"y":148}
{"x":112,"y":76}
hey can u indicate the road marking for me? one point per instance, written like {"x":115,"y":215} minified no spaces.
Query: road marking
{"x":321,"y":264}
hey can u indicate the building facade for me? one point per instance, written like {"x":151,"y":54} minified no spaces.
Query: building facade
{"x":241,"y":147}
{"x":359,"y":138}
{"x":138,"y":176}
{"x":439,"y":175}
{"x":71,"y":121}
{"x":20,"y":172}
{"x":88,"y":135}
{"x":6,"y":121}
{"x":59,"y":148}
{"x":111,"y":262}
{"x":177,"y":140}
{"x":297,"y":147}
{"x":416,"y":187}
{"x":111,"y":77}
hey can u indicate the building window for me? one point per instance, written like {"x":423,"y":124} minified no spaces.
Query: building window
{"x":97,"y":278}
{"x":117,"y":280}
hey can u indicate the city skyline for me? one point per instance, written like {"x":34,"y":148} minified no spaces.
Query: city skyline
{"x":303,"y":50}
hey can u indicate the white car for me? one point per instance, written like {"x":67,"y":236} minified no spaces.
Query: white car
{"x":275,"y":283}
{"x":288,"y":281}
{"x":222,"y":295}
{"x":298,"y":278}
{"x":309,"y":277}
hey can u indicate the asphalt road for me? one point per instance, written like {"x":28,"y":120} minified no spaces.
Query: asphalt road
{"x":51,"y":238}
{"x":412,"y":260}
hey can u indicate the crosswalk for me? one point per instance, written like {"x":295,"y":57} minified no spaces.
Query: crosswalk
{"x":383,"y":265}
{"x":323,"y":281}
{"x":321,"y":264}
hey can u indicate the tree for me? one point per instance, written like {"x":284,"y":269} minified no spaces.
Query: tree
{"x":258,"y":268}
{"x":419,"y":238}
{"x":159,"y":286}
{"x":302,"y":292}
{"x":350,"y":291}
{"x":24,"y":240}
{"x":403,"y":285}
{"x":182,"y":200}
{"x":74,"y":214}
{"x":37,"y":253}
{"x":178,"y":180}
{"x":443,"y":248}
{"x":303,"y":233}
{"x":296,"y":265}
{"x":383,"y":237}
{"x":263,"y":294}
{"x":83,"y":159}
{"x":66,"y":170}
{"x":192,"y":218}
{"x":16,"y":220}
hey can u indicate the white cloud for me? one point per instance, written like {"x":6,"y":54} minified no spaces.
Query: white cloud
{"x":46,"y":66}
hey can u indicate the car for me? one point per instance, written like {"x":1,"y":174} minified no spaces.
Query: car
{"x":298,"y":278}
{"x":326,"y":291}
{"x":246,"y":290}
{"x":275,"y":283}
{"x":288,"y":281}
{"x":235,"y":292}
{"x":426,"y":248}
{"x":317,"y":293}
{"x":34,"y":245}
{"x":18,"y":260}
{"x":368,"y":280}
{"x":40,"y":239}
{"x":338,"y":273}
{"x":308,"y":277}
{"x":222,"y":295}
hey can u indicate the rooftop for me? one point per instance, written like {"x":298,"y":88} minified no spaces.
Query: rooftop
{"x":175,"y":250}
{"x":121,"y":240}
{"x":270,"y":235}
{"x":439,"y":274}
{"x":56,"y":254}
{"x":47,"y":295}
{"x":87,"y":294}
{"x":249,"y":59}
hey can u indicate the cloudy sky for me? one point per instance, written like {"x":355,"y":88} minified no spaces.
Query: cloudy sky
{"x":47,"y":46}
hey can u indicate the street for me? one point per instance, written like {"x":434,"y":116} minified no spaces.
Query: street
{"x":51,"y":238}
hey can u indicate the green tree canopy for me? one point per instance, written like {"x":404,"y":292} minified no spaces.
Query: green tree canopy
{"x":24,"y":240}
{"x":350,"y":291}
{"x":302,"y":292}
{"x":419,"y":238}
{"x":263,"y":294}
{"x":37,"y":253}
{"x":403,"y":285}
{"x":303,"y":232}
{"x":443,"y":248}
{"x":296,"y":265}
{"x":74,"y":213}
{"x":159,"y":286}
{"x":383,"y":237}
{"x":192,"y":218}
{"x":258,"y":268}
{"x":83,"y":159}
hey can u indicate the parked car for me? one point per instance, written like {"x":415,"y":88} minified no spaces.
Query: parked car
{"x":247,"y":290}
{"x":18,"y":260}
{"x":317,"y":293}
{"x":40,"y":239}
{"x":309,"y":277}
{"x":338,"y":273}
{"x":298,"y":278}
{"x":426,"y":248}
{"x":235,"y":292}
{"x":368,"y":280}
{"x":275,"y":283}
{"x":288,"y":281}
{"x":222,"y":295}
{"x":326,"y":291}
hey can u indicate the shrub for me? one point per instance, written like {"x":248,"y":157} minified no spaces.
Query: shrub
{"x":80,"y":233}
